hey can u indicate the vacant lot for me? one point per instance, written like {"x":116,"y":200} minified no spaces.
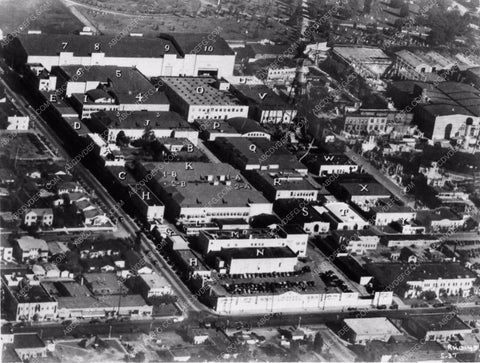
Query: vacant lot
{"x":50,"y":16}
{"x":254,"y":19}
{"x":73,"y":352}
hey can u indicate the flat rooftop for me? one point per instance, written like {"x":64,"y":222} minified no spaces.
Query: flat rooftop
{"x":365,"y":54}
{"x":330,"y":159}
{"x":105,"y":301}
{"x":84,"y":45}
{"x":440,"y":322}
{"x":240,"y":125}
{"x":262,"y":95}
{"x":283,"y":207}
{"x":99,"y":281}
{"x":373,"y":326}
{"x":200,"y":91}
{"x":130,"y":78}
{"x":343,"y":212}
{"x":199,"y":43}
{"x":33,"y":294}
{"x":154,"y":280}
{"x":365,"y":189}
{"x":241,"y":147}
{"x":200,"y":172}
{"x":201,"y":194}
{"x":391,"y":208}
{"x":137,"y":120}
{"x":285,"y":181}
{"x":27,"y":341}
{"x":386,"y":273}
{"x":252,"y":233}
{"x":256,"y":253}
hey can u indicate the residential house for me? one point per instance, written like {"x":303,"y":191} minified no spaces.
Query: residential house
{"x":41,"y":216}
{"x":29,"y":248}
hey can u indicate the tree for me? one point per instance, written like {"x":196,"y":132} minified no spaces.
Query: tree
{"x":445,"y":25}
{"x":122,"y":139}
{"x":162,"y":299}
{"x":318,"y":343}
{"x":428,"y":295}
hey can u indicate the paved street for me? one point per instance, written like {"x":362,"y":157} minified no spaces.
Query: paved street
{"x":128,"y":224}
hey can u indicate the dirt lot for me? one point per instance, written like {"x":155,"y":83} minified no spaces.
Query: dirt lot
{"x":74,"y":353}
{"x":254,"y":19}
{"x":50,"y":16}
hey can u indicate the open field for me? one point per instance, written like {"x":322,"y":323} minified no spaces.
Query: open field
{"x":251,"y":20}
{"x":50,"y":16}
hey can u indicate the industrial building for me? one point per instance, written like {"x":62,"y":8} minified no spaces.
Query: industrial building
{"x":167,"y":55}
{"x":202,"y":98}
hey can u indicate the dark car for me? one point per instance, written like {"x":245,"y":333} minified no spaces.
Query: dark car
{"x":438,"y":305}
{"x":381,"y":307}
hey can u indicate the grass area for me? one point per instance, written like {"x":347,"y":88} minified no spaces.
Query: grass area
{"x":50,"y":16}
{"x":26,"y":146}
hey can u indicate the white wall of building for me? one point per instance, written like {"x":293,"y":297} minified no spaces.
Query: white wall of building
{"x":262,"y":265}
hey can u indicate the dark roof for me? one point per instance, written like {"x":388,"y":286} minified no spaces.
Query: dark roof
{"x":33,"y":294}
{"x":261,"y":95}
{"x":409,"y":237}
{"x":387,"y":272}
{"x":130,"y":79}
{"x":136,"y":120}
{"x":439,"y":322}
{"x":247,"y":253}
{"x":372,"y":188}
{"x":474,"y":70}
{"x":438,"y":214}
{"x":279,"y":180}
{"x":269,"y":49}
{"x":27,"y":340}
{"x":330,"y":159}
{"x":241,"y":148}
{"x":84,"y":45}
{"x":244,"y":125}
{"x":283,"y":207}
{"x":445,"y":110}
{"x":98,"y":93}
{"x":186,"y":89}
{"x":134,"y":260}
{"x":199,"y":43}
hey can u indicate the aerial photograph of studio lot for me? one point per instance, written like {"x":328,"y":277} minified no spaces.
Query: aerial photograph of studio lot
{"x":226,"y":180}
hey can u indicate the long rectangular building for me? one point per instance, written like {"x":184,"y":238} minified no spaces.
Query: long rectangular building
{"x":202,"y":98}
{"x":214,"y":241}
{"x":197,"y":192}
{"x":167,"y":55}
